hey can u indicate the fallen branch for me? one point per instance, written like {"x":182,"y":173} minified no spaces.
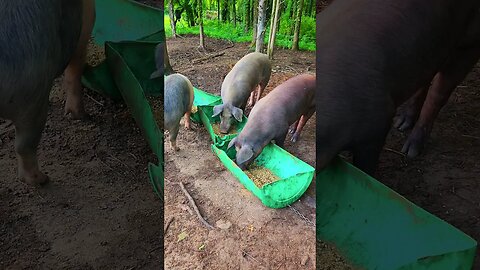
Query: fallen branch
{"x":246,"y":254}
{"x":168,"y":225}
{"x":198,"y":60}
{"x":192,"y":202}
{"x":394,"y":151}
{"x":471,"y":137}
{"x":94,"y":100}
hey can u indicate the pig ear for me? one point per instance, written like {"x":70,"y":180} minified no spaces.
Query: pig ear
{"x":217,"y":110}
{"x":245,"y":154}
{"x":237,"y":113}
{"x":231,"y":143}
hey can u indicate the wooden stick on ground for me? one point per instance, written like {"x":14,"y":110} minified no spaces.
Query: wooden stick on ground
{"x":192,"y":202}
{"x":394,"y":151}
{"x":208,"y":57}
{"x":168,"y":225}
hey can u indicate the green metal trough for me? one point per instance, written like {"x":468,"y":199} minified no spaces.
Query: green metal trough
{"x":374,"y":227}
{"x":130,"y":31}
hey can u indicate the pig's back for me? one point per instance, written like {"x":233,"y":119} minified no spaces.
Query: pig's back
{"x":250,"y":70}
{"x":177,"y":98}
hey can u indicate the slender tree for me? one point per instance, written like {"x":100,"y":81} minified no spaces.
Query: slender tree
{"x":260,"y":26}
{"x":200,"y":23}
{"x":247,"y":16}
{"x":298,"y":23}
{"x":172,"y":18}
{"x":234,"y":13}
{"x":274,"y":27}
{"x":218,"y":10}
{"x":166,"y":60}
{"x":255,"y":21}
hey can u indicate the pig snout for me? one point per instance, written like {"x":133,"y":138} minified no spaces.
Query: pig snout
{"x":225,"y":124}
{"x":228,"y":114}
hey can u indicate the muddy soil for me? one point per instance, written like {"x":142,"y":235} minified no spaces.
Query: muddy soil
{"x":247,"y":235}
{"x":99,"y":210}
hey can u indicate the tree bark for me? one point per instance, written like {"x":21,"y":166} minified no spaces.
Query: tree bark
{"x":273,"y":31}
{"x":190,"y":14}
{"x":260,"y":26}
{"x":247,"y":16}
{"x":254,"y":21}
{"x":272,"y":22}
{"x":218,"y":10}
{"x":225,"y":13}
{"x":298,"y":23}
{"x":234,"y":13}
{"x":200,"y":23}
{"x":172,"y":18}
{"x":168,"y":68}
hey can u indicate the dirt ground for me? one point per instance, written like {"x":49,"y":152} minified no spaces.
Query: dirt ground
{"x":253,"y":236}
{"x":444,"y":180}
{"x":99,"y":210}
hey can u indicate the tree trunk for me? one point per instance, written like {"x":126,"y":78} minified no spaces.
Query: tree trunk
{"x":172,"y":18}
{"x":225,"y":13}
{"x":234,"y":13}
{"x":255,"y":20}
{"x":200,"y":23}
{"x":247,"y":16}
{"x":309,"y":10}
{"x":218,"y":10}
{"x":275,"y":19}
{"x":298,"y":23}
{"x":260,"y":26}
{"x":272,"y":22}
{"x":294,"y":12}
{"x":190,"y":15}
{"x":168,"y":68}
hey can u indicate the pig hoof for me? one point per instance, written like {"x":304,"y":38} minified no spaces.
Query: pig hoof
{"x":294,"y":137}
{"x":403,"y":122}
{"x":414,"y":144}
{"x":405,"y":118}
{"x":36,"y":178}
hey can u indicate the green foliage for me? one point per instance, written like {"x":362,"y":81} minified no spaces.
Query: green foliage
{"x":227,"y":31}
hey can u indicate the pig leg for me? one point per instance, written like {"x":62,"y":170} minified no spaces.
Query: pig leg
{"x":301,"y":123}
{"x":188,"y":122}
{"x":260,"y":89}
{"x":173,"y":137}
{"x":366,"y":156}
{"x":443,"y":85}
{"x":72,"y":84}
{"x":251,"y":100}
{"x":28,"y":132}
{"x":293,"y":127}
{"x":408,"y":113}
{"x":280,"y":140}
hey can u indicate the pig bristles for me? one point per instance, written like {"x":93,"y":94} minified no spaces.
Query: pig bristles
{"x":192,"y":202}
